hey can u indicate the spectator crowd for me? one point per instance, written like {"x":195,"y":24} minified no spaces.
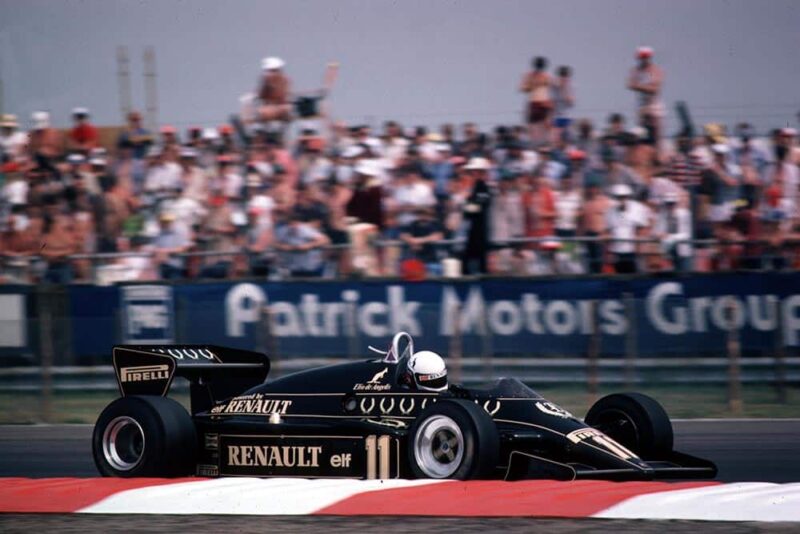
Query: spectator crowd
{"x":285,"y":190}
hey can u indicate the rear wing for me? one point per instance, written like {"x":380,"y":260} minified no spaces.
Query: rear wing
{"x":214,"y":373}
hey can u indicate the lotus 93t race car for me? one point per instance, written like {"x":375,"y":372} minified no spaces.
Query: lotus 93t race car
{"x":388,"y":417}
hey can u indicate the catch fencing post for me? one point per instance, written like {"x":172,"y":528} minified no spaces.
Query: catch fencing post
{"x":630,"y":340}
{"x":592,"y":378}
{"x":456,"y":346}
{"x":780,"y":364}
{"x":44,"y":298}
{"x":734,"y":363}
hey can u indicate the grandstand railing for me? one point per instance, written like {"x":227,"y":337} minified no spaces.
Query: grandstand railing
{"x":553,"y":254}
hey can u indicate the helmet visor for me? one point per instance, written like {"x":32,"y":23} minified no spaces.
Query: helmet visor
{"x":434,"y":382}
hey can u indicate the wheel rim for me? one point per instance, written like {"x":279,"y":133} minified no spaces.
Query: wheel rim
{"x":439,"y":447}
{"x":123,"y":443}
{"x":620,"y":427}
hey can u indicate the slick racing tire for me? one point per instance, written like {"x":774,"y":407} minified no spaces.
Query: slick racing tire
{"x":453,"y":438}
{"x":144,"y":436}
{"x":634,"y":420}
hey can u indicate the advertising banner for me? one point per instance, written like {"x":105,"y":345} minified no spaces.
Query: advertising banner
{"x":687,"y":316}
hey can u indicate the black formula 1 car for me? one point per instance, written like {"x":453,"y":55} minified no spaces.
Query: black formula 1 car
{"x":361,"y":420}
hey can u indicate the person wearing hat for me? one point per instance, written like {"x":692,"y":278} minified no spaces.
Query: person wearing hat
{"x":274,"y":91}
{"x":625,"y":221}
{"x":476,"y":213}
{"x":45,"y":143}
{"x":645,"y":80}
{"x":83,"y":136}
{"x":366,"y":202}
{"x":135,"y":136}
{"x":12,"y":141}
{"x":193,"y":178}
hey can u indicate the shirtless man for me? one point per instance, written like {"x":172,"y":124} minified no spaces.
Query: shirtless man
{"x":537,"y":84}
{"x":645,"y":80}
{"x":593,"y":224}
{"x":274,"y":91}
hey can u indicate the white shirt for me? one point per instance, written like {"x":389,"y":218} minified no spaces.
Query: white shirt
{"x":232,"y":184}
{"x":14,"y":143}
{"x":568,"y":206}
{"x":264,"y":204}
{"x":418,"y":194}
{"x":624,"y":223}
{"x":16,"y":192}
{"x":678,"y":229}
{"x":164,"y":176}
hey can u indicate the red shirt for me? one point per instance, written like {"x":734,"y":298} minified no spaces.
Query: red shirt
{"x":85,"y":135}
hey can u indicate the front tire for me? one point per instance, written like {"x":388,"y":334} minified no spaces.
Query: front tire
{"x":453,"y":439}
{"x":144,"y":436}
{"x":634,"y":420}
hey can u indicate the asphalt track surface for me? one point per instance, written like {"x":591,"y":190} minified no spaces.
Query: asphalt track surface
{"x":744,"y":450}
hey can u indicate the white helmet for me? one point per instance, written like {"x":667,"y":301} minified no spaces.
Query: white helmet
{"x":428,"y":371}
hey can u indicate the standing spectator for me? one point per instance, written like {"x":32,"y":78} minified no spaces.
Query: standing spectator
{"x":752,"y":163}
{"x":300,"y":243}
{"x":44,"y":142}
{"x":476,"y":213}
{"x":563,"y":100}
{"x":84,"y":136}
{"x":167,"y":244}
{"x":12,"y":141}
{"x":624,"y":221}
{"x":567,"y":202}
{"x":274,"y":91}
{"x":58,"y":243}
{"x":539,"y":203}
{"x":645,"y":80}
{"x":537,"y":85}
{"x":441,"y":172}
{"x":593,"y":223}
{"x":135,"y":136}
{"x":366,"y":204}
{"x":507,"y":218}
{"x":673,"y":225}
{"x":783,"y":180}
{"x":721,"y":181}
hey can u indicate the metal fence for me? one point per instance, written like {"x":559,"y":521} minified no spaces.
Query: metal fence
{"x":511,"y":257}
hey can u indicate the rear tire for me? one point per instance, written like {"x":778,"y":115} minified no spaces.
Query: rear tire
{"x":144,"y":436}
{"x":634,"y":420}
{"x":454,"y":439}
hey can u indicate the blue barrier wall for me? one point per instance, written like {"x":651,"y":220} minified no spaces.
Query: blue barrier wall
{"x":683,"y":316}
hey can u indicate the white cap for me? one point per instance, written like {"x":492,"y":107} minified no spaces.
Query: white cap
{"x":367,"y":167}
{"x":478,"y":164}
{"x":621,"y":190}
{"x":80,"y":111}
{"x":209,"y":134}
{"x":238,"y":218}
{"x":98,"y":151}
{"x":644,"y":51}
{"x":720,"y":148}
{"x":788,"y":132}
{"x":443,"y":147}
{"x":40,"y":119}
{"x":263,"y":168}
{"x":76,"y":159}
{"x":98,"y":162}
{"x":353,"y":151}
{"x":272,"y":63}
{"x":639,"y":132}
